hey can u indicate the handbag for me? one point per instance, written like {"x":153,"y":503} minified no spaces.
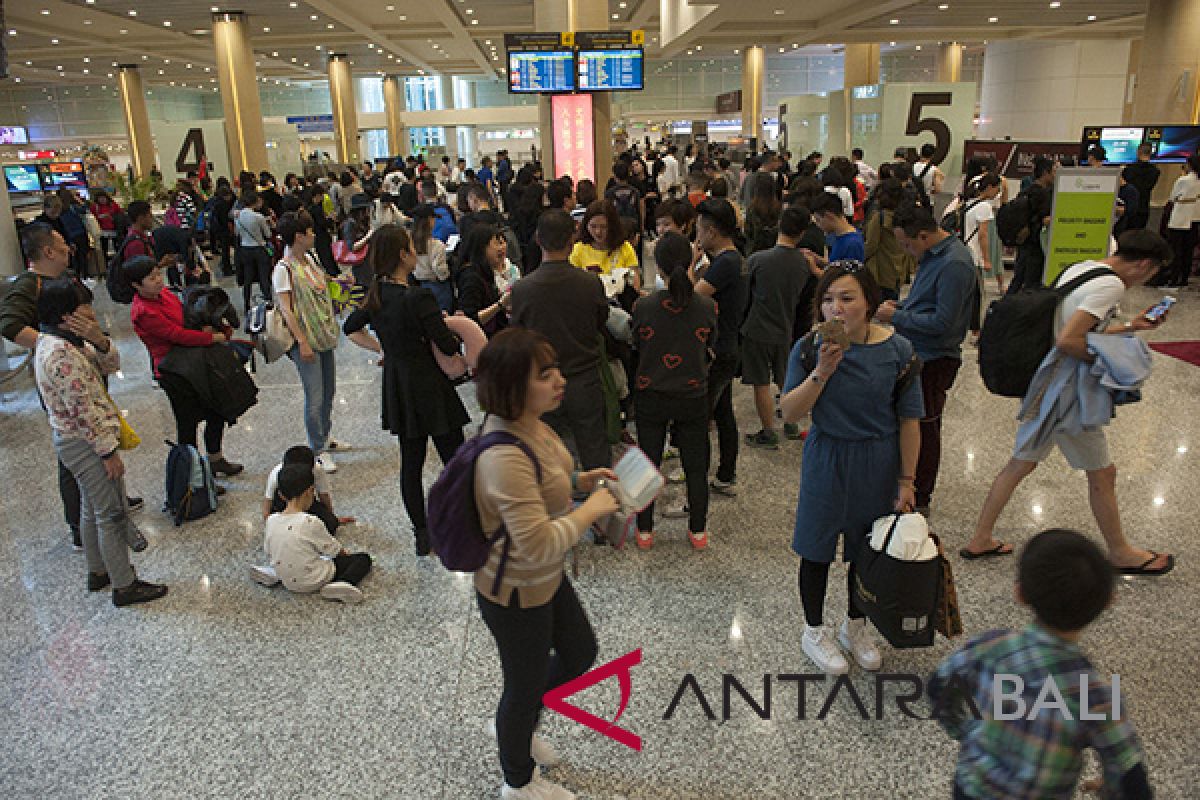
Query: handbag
{"x":949,"y":618}
{"x":900,"y":597}
{"x":127,"y":437}
{"x":344,"y":254}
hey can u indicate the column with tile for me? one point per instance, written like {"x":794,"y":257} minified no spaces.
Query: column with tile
{"x":393,"y":105}
{"x":137,"y":120}
{"x":345,"y":113}
{"x":244,"y":134}
{"x":754,"y":62}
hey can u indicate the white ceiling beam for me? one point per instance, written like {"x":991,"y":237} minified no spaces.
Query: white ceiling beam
{"x":836,"y":27}
{"x":336,"y":11}
{"x":1133,"y":23}
{"x":444,"y":10}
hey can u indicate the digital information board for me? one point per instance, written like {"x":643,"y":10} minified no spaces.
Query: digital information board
{"x":611,"y":70}
{"x":63,"y":173}
{"x":1170,"y":144}
{"x":535,"y":72}
{"x":22,"y":178}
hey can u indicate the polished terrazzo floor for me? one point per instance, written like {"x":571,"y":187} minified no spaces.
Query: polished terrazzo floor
{"x":225,"y":689}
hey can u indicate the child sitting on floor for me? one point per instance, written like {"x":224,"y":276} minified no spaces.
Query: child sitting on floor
{"x":300,"y":551}
{"x":322,"y":505}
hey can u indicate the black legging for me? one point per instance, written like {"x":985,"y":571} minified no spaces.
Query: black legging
{"x":412,"y":466}
{"x":189,"y":414}
{"x":813,"y":579}
{"x":256,"y":266}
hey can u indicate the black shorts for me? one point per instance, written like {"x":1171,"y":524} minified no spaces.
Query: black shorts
{"x":763,"y":363}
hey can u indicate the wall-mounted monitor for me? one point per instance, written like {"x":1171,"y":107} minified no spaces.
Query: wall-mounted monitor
{"x":1121,"y":144}
{"x":14,"y":134}
{"x":535,"y":72}
{"x":615,"y":70}
{"x":1178,"y":143}
{"x":58,"y":174}
{"x":22,"y":178}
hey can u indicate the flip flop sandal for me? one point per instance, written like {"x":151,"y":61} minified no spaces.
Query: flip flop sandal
{"x":1144,"y":569}
{"x":996,"y":551}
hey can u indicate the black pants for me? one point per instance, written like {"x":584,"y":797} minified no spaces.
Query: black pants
{"x":412,"y":466}
{"x":81,"y":258}
{"x":688,"y":421}
{"x":720,"y":400}
{"x":189,"y":414}
{"x":976,"y":304}
{"x":525,"y":638}
{"x":813,"y":580}
{"x":580,"y":419}
{"x":221,"y":243}
{"x":351,"y":568}
{"x":68,"y":490}
{"x":256,"y":266}
{"x":1183,"y":242}
{"x":937,"y":377}
{"x":1027,"y":269}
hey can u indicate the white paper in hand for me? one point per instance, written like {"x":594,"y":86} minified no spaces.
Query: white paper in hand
{"x":638,"y":480}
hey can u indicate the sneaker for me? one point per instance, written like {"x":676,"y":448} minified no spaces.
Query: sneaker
{"x":645,"y":540}
{"x":538,"y":788}
{"x":765,"y":439}
{"x":421,"y":541}
{"x":676,"y":476}
{"x":699,"y":540}
{"x":224,"y":466}
{"x":137,"y":592}
{"x":325,"y":462}
{"x":792,"y":431}
{"x":817,"y":643}
{"x":855,"y":636}
{"x":264,"y":575}
{"x":541,"y":750}
{"x":676,"y":510}
{"x":135,"y":503}
{"x":348,"y":593}
{"x":221,"y":490}
{"x":727,"y":488}
{"x":670,"y":452}
{"x":97,"y":581}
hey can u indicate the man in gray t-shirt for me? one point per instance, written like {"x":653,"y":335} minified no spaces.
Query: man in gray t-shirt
{"x":777,"y":280}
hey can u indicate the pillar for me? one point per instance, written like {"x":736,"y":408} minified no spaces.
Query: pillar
{"x":949,"y":63}
{"x":393,"y":104}
{"x":464,"y":135}
{"x":244,"y":135}
{"x":1170,"y":63}
{"x":11,"y":261}
{"x":137,"y":120}
{"x":860,"y":64}
{"x":345,"y":113}
{"x":754,"y":62}
{"x":593,"y":15}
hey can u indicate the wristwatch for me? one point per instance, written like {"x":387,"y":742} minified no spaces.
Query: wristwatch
{"x":817,"y":379}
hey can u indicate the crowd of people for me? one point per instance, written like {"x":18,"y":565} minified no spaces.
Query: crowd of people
{"x":833,"y":290}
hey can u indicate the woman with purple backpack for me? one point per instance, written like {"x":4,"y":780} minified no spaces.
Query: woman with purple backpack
{"x":525,"y":598}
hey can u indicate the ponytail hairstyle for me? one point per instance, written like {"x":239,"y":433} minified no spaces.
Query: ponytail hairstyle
{"x":423,"y":218}
{"x":673,"y":254}
{"x":389,"y":243}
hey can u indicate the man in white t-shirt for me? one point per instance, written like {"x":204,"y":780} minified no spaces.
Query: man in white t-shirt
{"x":928,"y":172}
{"x":1088,"y":309}
{"x":1185,"y":212}
{"x":671,"y":169}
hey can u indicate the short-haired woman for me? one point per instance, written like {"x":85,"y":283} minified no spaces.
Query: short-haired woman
{"x":302,"y":289}
{"x":71,"y":358}
{"x":532,"y":609}
{"x":419,"y":401}
{"x":860,"y":456}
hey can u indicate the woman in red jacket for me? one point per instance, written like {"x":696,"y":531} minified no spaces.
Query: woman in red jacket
{"x":158,"y":321}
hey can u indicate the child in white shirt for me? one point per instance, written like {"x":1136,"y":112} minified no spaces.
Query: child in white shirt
{"x":322,"y":505}
{"x":300,"y":551}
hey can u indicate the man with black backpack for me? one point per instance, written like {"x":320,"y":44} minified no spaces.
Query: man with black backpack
{"x":628,"y":200}
{"x":1034,"y":205}
{"x":1047,"y":422}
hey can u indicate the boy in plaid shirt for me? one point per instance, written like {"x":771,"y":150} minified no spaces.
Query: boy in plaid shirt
{"x":1036,"y":749}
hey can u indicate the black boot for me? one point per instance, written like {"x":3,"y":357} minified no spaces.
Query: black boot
{"x":421,"y":535}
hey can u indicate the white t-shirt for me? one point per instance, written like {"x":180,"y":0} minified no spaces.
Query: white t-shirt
{"x":1184,"y":195}
{"x":1100,"y":297}
{"x":926,"y":170}
{"x":299,"y":548}
{"x":320,"y":482}
{"x":281,"y":278}
{"x":976,"y":215}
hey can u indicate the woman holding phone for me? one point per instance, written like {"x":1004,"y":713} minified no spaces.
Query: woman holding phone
{"x":860,"y":456}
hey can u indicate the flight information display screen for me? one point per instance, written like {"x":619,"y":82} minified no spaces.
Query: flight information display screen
{"x":22,"y":178}
{"x":64,"y":173}
{"x":532,"y":72}
{"x":611,"y":70}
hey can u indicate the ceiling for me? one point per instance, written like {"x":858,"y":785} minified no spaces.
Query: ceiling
{"x":81,"y":41}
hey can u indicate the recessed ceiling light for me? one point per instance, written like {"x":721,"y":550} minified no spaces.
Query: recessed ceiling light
{"x":87,"y":22}
{"x":390,"y":8}
{"x":892,"y":44}
{"x":54,"y":41}
{"x":470,"y":11}
{"x":893,"y":22}
{"x":403,"y":17}
{"x":12,"y":31}
{"x":918,"y":47}
{"x":87,"y":60}
{"x":293,"y":5}
{"x":213,"y":9}
{"x":312,"y":16}
{"x":266,"y":30}
{"x":1056,"y":4}
{"x":329,"y":25}
{"x":779,"y":12}
{"x":474,"y":22}
{"x":124,"y":31}
{"x":616,"y":16}
{"x":944,"y":7}
{"x":132,"y":12}
{"x":166,"y":23}
{"x":45,"y":12}
{"x":993,"y":19}
{"x":1091,"y":17}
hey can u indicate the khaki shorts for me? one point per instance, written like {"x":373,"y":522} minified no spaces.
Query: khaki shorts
{"x":1087,"y":451}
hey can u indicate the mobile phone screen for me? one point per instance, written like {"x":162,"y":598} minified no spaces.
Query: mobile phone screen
{"x":1158,"y":309}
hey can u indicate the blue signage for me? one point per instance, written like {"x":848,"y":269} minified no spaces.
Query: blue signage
{"x":313,"y":123}
{"x":552,"y":71}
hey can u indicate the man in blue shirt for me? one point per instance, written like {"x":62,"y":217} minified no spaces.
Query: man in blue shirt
{"x":844,"y":240}
{"x":934,"y":317}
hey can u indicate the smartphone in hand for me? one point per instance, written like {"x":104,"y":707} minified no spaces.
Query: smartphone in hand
{"x":1159,"y":310}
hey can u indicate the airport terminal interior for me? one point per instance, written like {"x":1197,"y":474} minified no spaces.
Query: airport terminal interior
{"x":897,"y":140}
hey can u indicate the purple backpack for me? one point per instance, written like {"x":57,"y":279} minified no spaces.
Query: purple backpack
{"x":455,"y":531}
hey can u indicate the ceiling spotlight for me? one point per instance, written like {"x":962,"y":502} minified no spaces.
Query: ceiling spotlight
{"x":313,"y":17}
{"x":1056,"y":4}
{"x":132,"y":13}
{"x":266,"y":30}
{"x":87,"y":22}
{"x":779,"y":12}
{"x":166,"y":23}
{"x":1091,"y":17}
{"x":329,"y":25}
{"x":54,"y":41}
{"x":944,"y":7}
{"x":45,"y":12}
{"x":474,"y":22}
{"x":893,"y":22}
{"x":993,"y":19}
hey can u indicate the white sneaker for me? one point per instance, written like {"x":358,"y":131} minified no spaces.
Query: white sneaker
{"x":541,"y":750}
{"x":676,"y":476}
{"x":818,"y":644}
{"x":325,"y":461}
{"x":854,"y":635}
{"x":264,"y":575}
{"x":340,"y":590}
{"x":537,"y":789}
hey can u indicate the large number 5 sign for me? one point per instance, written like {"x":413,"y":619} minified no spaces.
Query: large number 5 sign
{"x":938,"y":127}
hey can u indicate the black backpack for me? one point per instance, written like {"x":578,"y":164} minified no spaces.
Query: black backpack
{"x":117,"y":288}
{"x":625,"y":198}
{"x":1018,"y":332}
{"x":1013,"y":220}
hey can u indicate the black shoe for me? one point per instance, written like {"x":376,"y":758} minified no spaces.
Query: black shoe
{"x":137,"y":592}
{"x":97,"y":581}
{"x":421,"y":536}
{"x":220,"y":490}
{"x":225,"y":467}
{"x":76,"y":542}
{"x":135,"y":503}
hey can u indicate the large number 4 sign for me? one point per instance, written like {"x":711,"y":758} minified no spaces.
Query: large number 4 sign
{"x":194,"y":142}
{"x":935,"y":125}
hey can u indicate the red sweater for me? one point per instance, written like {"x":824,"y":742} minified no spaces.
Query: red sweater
{"x":159,"y":324}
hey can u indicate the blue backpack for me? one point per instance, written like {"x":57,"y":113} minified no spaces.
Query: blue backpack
{"x":455,"y":530}
{"x":191,"y":492}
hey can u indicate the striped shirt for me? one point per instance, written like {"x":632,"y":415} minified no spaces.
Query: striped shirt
{"x":538,"y":516}
{"x":1040,"y":757}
